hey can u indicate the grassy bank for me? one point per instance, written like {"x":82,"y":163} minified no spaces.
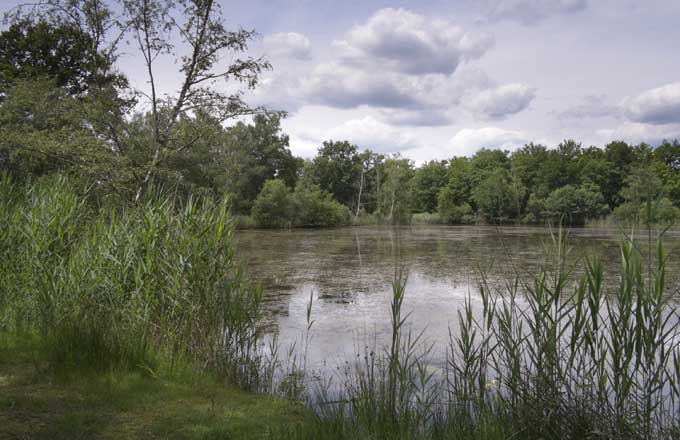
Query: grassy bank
{"x":38,"y":403}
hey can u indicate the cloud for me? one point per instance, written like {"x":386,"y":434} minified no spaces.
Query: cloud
{"x":635,"y":132}
{"x":591,"y":106}
{"x":532,"y":11}
{"x":468,"y":140}
{"x":336,"y":85}
{"x":402,"y":41}
{"x":416,"y":118}
{"x":502,"y":101}
{"x":288,"y":45}
{"x":411,"y":69}
{"x":655,"y":106}
{"x":368,"y":132}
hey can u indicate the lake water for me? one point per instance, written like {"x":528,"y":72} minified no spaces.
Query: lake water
{"x":348,"y":272}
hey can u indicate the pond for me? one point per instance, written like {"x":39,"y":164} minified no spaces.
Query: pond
{"x":349,"y":271}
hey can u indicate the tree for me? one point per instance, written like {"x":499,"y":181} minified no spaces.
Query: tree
{"x":494,"y":197}
{"x":428,"y":180}
{"x":574,"y":205}
{"x":644,"y":199}
{"x":451,"y":213}
{"x":42,"y":130}
{"x":41,"y":51}
{"x":396,"y":197}
{"x":255,"y":153}
{"x":274,"y":207}
{"x":162,"y":29}
{"x":314,"y":207}
{"x":337,"y":169}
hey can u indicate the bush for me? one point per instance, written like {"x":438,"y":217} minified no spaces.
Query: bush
{"x":451,"y":213}
{"x":314,"y":207}
{"x":425,"y":218}
{"x":660,"y":212}
{"x":273,"y":207}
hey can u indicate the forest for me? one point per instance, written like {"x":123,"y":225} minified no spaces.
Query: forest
{"x":67,"y":108}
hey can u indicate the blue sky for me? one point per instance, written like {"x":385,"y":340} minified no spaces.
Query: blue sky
{"x":433,"y":79}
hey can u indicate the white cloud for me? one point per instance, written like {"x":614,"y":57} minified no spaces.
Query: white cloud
{"x":288,"y":45}
{"x":336,"y":85}
{"x":373,"y":134}
{"x":468,"y":140}
{"x":656,"y":106}
{"x":635,"y":132}
{"x":405,"y":42}
{"x":532,"y":11}
{"x":501,"y":101}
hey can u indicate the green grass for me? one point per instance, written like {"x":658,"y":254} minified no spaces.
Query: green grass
{"x":38,"y":403}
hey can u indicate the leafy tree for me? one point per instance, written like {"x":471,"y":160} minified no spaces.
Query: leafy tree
{"x":529,"y":165}
{"x":274,"y":206}
{"x":485,"y":163}
{"x":337,"y":169}
{"x":451,"y":213}
{"x":314,"y":207}
{"x":574,"y":205}
{"x":428,"y":180}
{"x":459,"y":184}
{"x":396,"y":197}
{"x":667,"y":168}
{"x":255,"y":153}
{"x":42,"y":130}
{"x":644,"y":199}
{"x":495,"y":198}
{"x":62,"y":53}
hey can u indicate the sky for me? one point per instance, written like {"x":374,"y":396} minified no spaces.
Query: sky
{"x":432,"y":79}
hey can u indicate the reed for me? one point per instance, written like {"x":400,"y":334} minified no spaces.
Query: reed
{"x":127,"y":288}
{"x":547,"y":355}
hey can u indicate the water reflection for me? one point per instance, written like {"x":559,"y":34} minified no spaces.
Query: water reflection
{"x":349,"y":272}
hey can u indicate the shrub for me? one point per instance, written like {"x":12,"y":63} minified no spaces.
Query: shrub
{"x":451,"y":213}
{"x":660,"y":212}
{"x":314,"y":207}
{"x":273,"y":207}
{"x":574,"y":205}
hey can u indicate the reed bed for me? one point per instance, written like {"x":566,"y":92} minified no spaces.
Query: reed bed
{"x":128,"y":287}
{"x":550,"y":355}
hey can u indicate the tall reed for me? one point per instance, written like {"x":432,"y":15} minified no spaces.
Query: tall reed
{"x":551,"y":355}
{"x":106,"y":288}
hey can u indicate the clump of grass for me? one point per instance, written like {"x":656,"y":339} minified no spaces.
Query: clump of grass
{"x":426,"y":218}
{"x":107,"y":288}
{"x":550,"y":355}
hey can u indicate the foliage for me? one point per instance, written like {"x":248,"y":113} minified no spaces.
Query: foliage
{"x":451,"y":213}
{"x":428,"y":180}
{"x":573,"y":205}
{"x":62,"y":53}
{"x":396,"y":197}
{"x":494,"y":197}
{"x":274,"y":207}
{"x":109,"y":289}
{"x":314,"y":207}
{"x":337,"y":169}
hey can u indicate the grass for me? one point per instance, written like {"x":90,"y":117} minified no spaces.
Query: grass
{"x":36,"y":402}
{"x":139,"y":317}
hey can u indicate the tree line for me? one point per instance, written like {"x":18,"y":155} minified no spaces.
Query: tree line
{"x":66,"y":108}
